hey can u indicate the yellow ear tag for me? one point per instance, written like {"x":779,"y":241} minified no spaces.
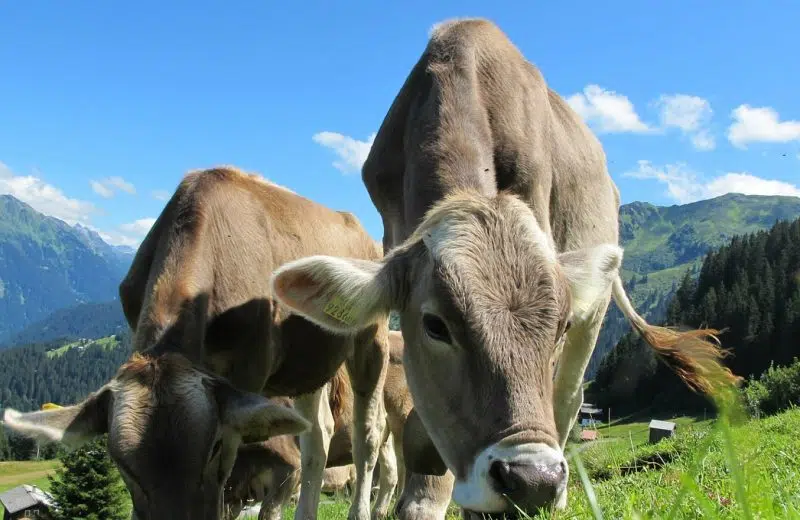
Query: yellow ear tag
{"x":340,"y":310}
{"x":50,"y":406}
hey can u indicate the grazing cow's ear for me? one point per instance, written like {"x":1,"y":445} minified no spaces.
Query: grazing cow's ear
{"x":256,"y":418}
{"x":341,"y":295}
{"x":590,"y":272}
{"x":420,"y":455}
{"x":71,"y":425}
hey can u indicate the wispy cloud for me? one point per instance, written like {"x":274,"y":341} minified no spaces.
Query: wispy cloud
{"x":606,"y":111}
{"x":691,"y":115}
{"x":685,"y":185}
{"x":139,"y":227}
{"x":45,"y":197}
{"x":108,"y":187}
{"x":351,"y":152}
{"x":760,"y":124}
{"x":162,"y":195}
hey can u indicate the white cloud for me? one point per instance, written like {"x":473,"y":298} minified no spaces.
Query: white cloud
{"x":704,"y":141}
{"x":760,"y":124}
{"x":101,"y":190}
{"x":107,"y":187}
{"x":161,"y":195}
{"x":606,"y":111}
{"x":684,"y":185}
{"x":691,"y":115}
{"x":44,"y":197}
{"x":138,"y":227}
{"x":129,"y":234}
{"x":351,"y":152}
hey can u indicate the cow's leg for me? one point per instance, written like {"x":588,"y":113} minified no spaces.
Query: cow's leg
{"x":367,"y":367}
{"x":388,"y":478}
{"x":568,"y":388}
{"x":425,"y":497}
{"x":400,"y":464}
{"x":313,"y":450}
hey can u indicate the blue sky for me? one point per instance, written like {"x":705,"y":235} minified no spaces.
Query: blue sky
{"x":104,"y":106}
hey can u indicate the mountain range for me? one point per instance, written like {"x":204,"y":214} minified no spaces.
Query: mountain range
{"x":60,"y":282}
{"x":47,"y":265}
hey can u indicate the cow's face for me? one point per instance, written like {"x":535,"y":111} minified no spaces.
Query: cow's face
{"x":485,"y":305}
{"x":173,"y":432}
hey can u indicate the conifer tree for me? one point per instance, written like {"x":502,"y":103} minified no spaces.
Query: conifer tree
{"x":88,"y":485}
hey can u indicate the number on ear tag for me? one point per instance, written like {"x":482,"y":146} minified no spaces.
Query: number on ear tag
{"x":340,"y":310}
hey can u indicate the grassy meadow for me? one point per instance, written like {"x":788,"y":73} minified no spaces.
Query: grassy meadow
{"x":13,"y":474}
{"x":707,"y":470}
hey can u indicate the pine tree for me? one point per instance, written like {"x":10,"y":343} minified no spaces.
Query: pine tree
{"x":88,"y":485}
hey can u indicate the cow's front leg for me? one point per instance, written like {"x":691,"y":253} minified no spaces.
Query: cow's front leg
{"x":313,"y":450}
{"x":568,"y":389}
{"x":387,"y":460}
{"x":367,"y":368}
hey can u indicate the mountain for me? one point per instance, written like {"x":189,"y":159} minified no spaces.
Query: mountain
{"x":46,"y":265}
{"x":87,"y":320}
{"x":121,"y":255}
{"x":61,"y":372}
{"x":662,"y":243}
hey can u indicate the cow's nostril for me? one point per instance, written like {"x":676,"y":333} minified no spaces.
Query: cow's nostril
{"x":532,"y":485}
{"x":500,"y":474}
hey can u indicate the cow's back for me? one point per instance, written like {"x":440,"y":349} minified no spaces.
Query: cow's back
{"x":475,"y":113}
{"x":215,"y":246}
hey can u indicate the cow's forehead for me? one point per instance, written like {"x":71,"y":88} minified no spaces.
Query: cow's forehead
{"x":179,"y":411}
{"x":501,"y":226}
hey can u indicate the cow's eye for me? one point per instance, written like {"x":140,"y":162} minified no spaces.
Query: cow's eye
{"x":435,"y":328}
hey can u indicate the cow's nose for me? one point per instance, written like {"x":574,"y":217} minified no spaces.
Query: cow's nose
{"x":529,"y":485}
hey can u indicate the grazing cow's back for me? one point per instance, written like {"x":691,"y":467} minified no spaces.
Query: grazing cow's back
{"x":501,"y":240}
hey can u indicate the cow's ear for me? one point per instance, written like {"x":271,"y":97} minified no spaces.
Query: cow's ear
{"x":590,"y":272}
{"x":256,"y":418}
{"x":70,"y":425}
{"x":341,"y":295}
{"x":419,"y":453}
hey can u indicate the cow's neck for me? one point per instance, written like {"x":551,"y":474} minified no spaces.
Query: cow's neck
{"x":469,"y":170}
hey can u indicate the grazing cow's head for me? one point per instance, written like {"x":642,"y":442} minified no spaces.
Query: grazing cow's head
{"x":485,"y":303}
{"x":173,"y":432}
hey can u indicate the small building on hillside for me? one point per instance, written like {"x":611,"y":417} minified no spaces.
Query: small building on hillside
{"x":661,"y":430}
{"x":589,"y":411}
{"x":589,"y":435}
{"x":26,"y":502}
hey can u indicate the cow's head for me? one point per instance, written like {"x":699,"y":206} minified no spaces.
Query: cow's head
{"x":485,"y":304}
{"x":173,"y":431}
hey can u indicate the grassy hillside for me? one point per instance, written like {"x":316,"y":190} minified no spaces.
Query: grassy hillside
{"x":62,"y":372}
{"x":662,"y":243}
{"x":46,"y":264}
{"x":33,"y":472}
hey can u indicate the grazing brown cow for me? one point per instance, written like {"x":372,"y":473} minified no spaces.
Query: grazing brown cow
{"x":260,"y":467}
{"x":501,"y":238}
{"x":199,"y":292}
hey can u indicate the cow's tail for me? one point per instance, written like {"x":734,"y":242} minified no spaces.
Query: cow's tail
{"x":694,"y":355}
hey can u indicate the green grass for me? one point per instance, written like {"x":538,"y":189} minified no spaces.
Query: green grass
{"x":107,"y":343}
{"x":13,"y":474}
{"x":707,"y":470}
